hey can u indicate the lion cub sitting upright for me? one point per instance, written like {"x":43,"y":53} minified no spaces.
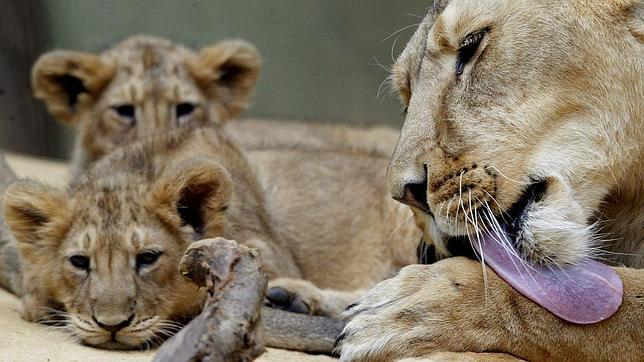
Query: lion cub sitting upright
{"x":104,"y":252}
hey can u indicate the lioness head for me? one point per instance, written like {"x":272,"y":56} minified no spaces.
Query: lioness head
{"x":102,"y":256}
{"x":142,"y":85}
{"x":521,"y":118}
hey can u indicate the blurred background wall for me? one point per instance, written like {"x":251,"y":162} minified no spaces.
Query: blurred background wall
{"x":321,"y":56}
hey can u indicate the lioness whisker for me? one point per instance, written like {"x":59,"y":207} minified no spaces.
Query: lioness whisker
{"x":398,"y":226}
{"x":498,"y":237}
{"x":506,"y":177}
{"x":478,"y":239}
{"x":393,"y":59}
{"x":386,"y":83}
{"x":502,"y":213}
{"x":599,"y":250}
{"x":399,"y":30}
{"x":379,"y":65}
{"x":440,"y":209}
{"x":415,"y":15}
{"x":449,"y":205}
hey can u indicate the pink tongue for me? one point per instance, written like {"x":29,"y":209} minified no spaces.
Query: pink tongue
{"x":585,"y":293}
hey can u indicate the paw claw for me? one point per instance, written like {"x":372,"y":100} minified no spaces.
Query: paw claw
{"x":279,"y":296}
{"x":339,"y":340}
{"x":298,"y":306}
{"x":351,"y":306}
{"x":283,"y":299}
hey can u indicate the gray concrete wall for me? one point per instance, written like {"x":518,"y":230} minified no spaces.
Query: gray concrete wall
{"x":320,"y":55}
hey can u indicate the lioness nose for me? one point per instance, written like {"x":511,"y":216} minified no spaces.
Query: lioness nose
{"x":415,"y":194}
{"x":114,"y":327}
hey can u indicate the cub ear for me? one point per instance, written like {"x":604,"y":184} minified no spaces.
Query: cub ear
{"x":227,"y":72}
{"x":193,"y":193}
{"x":37,"y":215}
{"x":636,"y":20}
{"x":68,"y":81}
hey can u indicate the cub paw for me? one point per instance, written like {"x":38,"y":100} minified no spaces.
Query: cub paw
{"x":297,"y":296}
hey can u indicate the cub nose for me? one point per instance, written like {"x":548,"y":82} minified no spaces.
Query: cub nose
{"x":415,"y":194}
{"x":114,"y":327}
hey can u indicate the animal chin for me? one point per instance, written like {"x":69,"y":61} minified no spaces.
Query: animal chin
{"x":113,"y":341}
{"x":115,"y":345}
{"x":583,"y":293}
{"x":120,"y":342}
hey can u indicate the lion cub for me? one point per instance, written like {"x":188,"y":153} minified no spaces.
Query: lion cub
{"x":146,"y":85}
{"x":104,"y":252}
{"x":141,"y":86}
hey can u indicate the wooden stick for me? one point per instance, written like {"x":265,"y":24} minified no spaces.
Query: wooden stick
{"x":228,"y":327}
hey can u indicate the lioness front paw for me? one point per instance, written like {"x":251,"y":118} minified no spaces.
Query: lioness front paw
{"x":425,"y":308}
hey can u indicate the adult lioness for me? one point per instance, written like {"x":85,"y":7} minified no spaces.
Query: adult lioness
{"x":105,"y":251}
{"x":523,"y":137}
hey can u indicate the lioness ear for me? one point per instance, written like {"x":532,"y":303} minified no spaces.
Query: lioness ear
{"x":68,"y":81}
{"x":36,"y":214}
{"x":227,"y":72}
{"x":194,"y":193}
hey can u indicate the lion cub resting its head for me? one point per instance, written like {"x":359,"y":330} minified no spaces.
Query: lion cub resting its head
{"x":102,"y":255}
{"x":142,"y":85}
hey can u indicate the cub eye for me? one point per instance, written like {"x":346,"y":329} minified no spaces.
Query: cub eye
{"x":147,"y":258}
{"x":125,"y":110}
{"x":184,"y":109}
{"x":468,"y":48}
{"x":79,"y":262}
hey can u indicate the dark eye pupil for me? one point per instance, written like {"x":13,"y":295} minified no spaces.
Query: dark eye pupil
{"x":125,"y":110}
{"x":468,"y":49}
{"x":184,"y":109}
{"x":80,"y":262}
{"x":146,"y":258}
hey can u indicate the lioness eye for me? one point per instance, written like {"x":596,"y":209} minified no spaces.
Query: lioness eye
{"x":146,"y":258}
{"x":184,"y":109}
{"x":80,"y":262}
{"x":468,"y":48}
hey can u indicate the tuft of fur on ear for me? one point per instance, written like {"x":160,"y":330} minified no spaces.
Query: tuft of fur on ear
{"x":37,"y":215}
{"x":227,"y":72}
{"x":193,"y":193}
{"x":68,"y":81}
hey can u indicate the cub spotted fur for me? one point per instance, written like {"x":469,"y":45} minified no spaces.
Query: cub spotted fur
{"x":102,"y":254}
{"x":141,"y":86}
{"x":146,"y":85}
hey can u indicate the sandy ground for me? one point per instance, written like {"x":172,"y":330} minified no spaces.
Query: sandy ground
{"x":22,"y":341}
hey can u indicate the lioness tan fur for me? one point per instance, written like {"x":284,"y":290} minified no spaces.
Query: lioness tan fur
{"x":552,"y":93}
{"x":103,"y":253}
